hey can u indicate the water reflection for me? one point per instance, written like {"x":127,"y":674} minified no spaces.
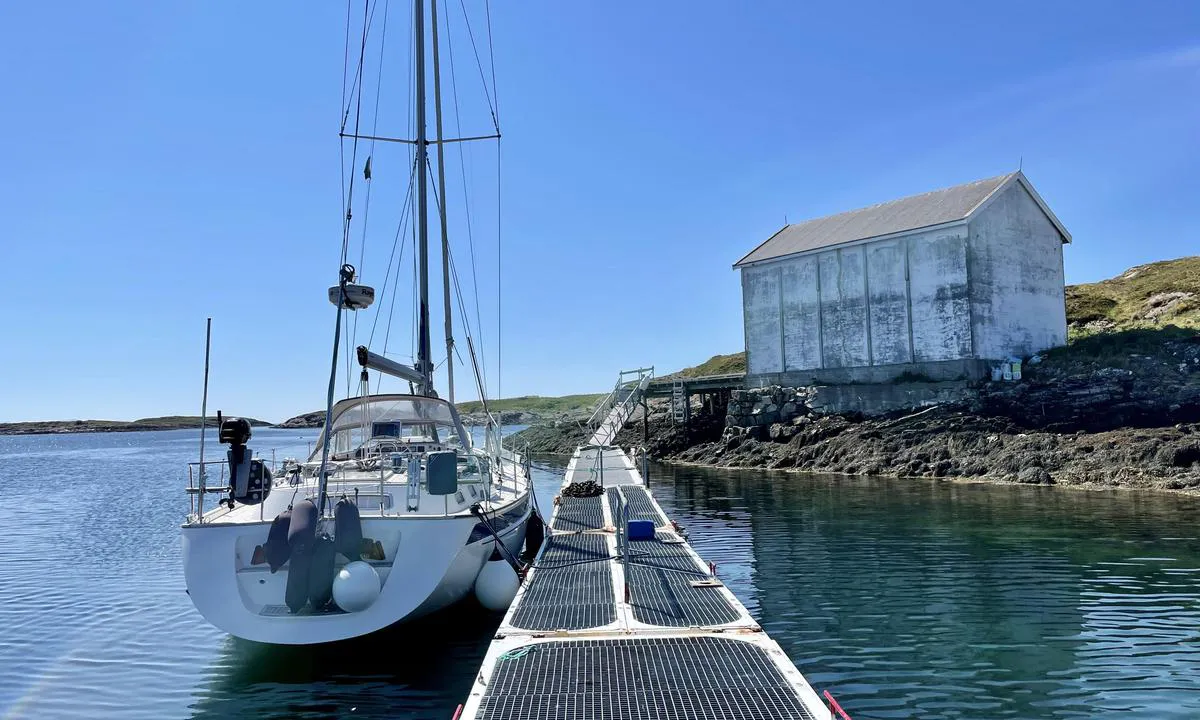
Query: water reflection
{"x":942,"y":600}
{"x":905,"y":598}
{"x":420,"y":670}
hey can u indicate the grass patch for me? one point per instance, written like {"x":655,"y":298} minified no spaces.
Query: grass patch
{"x":1117,"y":349}
{"x":1084,"y":306}
{"x":1147,"y":296}
{"x":535,"y":404}
{"x":716,"y":365}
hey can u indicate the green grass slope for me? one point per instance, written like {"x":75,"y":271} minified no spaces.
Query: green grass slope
{"x":715,"y":365}
{"x":536,"y":404}
{"x":1157,"y":295}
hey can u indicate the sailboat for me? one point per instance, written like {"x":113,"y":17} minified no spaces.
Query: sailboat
{"x":396,"y":512}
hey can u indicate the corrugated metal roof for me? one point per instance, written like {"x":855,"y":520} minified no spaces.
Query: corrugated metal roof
{"x":903,"y":215}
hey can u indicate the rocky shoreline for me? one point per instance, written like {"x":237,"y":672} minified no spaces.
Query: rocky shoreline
{"x":1113,"y":412}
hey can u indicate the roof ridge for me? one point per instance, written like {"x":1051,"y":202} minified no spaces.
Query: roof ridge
{"x":1000,"y":178}
{"x":911,"y":213}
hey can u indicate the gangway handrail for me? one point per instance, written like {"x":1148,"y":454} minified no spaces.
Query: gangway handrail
{"x":602,"y":405}
{"x":639,"y":382}
{"x":620,"y":412}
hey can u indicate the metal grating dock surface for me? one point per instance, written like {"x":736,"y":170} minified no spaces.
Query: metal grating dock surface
{"x":579,"y":514}
{"x":592,"y":636}
{"x":562,"y":549}
{"x":660,"y":590}
{"x":641,"y":507}
{"x":571,"y":587}
{"x":678,"y":678}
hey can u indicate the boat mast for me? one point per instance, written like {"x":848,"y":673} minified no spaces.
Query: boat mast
{"x":424,"y":359}
{"x":441,"y":170}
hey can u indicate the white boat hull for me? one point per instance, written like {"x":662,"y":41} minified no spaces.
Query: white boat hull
{"x":431,"y":565}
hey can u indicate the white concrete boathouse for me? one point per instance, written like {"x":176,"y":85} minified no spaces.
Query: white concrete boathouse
{"x":939,"y":285}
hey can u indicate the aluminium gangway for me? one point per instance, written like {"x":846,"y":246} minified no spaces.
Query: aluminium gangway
{"x":606,"y":627}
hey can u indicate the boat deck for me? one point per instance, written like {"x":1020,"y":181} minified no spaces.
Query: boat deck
{"x":596,"y":633}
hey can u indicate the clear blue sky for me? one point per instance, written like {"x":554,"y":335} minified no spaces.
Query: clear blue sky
{"x":163,"y":162}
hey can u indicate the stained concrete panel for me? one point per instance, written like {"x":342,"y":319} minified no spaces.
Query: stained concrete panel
{"x":843,"y":308}
{"x":801,"y":314}
{"x":887,"y":282}
{"x":1015,"y":256}
{"x":831,"y":350}
{"x":939,"y":303}
{"x":761,"y":308}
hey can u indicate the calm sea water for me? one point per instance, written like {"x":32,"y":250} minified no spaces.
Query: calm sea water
{"x":906,"y":599}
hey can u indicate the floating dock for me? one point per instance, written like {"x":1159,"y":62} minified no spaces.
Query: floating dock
{"x":607,"y":626}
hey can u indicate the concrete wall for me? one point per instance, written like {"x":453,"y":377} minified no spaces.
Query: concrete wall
{"x":801,"y":313}
{"x":762,"y":316}
{"x":1016,"y":268}
{"x":879,"y":399}
{"x":962,"y":369}
{"x":884,"y":303}
{"x":887,"y":270}
{"x":986,"y":290}
{"x":843,"y":283}
{"x":938,"y":299}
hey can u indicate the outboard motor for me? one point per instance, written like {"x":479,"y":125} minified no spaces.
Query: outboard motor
{"x":249,"y":477}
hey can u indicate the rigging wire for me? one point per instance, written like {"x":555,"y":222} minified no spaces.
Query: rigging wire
{"x":466,"y":321}
{"x":342,"y":111}
{"x":400,"y":227}
{"x":494,"y":108}
{"x":479,"y":64}
{"x":346,"y":344}
{"x":362,"y":251}
{"x":367,"y":23}
{"x":412,"y":153}
{"x":466,"y":198}
{"x":487,"y":8}
{"x":371,"y":152}
{"x":412,"y":226}
{"x":367,"y":6}
{"x":499,"y":245}
{"x":480,"y":375}
{"x":345,"y":70}
{"x":499,"y":282}
{"x":352,"y":100}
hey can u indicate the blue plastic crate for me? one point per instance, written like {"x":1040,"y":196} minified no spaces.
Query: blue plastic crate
{"x":640,"y":530}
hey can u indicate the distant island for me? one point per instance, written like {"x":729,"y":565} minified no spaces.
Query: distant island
{"x":167,"y":422}
{"x":522,"y":410}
